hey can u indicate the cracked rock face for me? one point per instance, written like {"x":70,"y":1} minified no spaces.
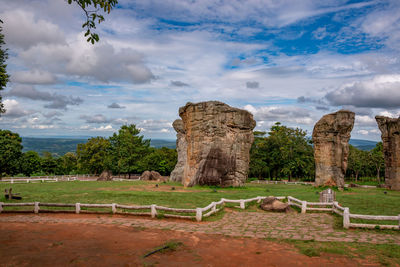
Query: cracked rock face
{"x":331,"y":137}
{"x":390,"y":129}
{"x":213,"y":144}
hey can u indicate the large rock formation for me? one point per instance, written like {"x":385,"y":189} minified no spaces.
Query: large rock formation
{"x":390,"y":129}
{"x":213,"y":144}
{"x":331,"y":137}
{"x":181,"y":148}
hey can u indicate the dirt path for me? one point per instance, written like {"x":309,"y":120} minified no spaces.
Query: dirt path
{"x":316,"y":226}
{"x":54,"y":241}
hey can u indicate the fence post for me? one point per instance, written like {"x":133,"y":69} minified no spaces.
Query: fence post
{"x":288,"y":200}
{"x":399,"y":216}
{"x":1,"y":207}
{"x":153,"y":211}
{"x":242,"y":204}
{"x":346,"y":218}
{"x":12,"y":180}
{"x":199,"y":214}
{"x":77,"y":208}
{"x":214,"y":207}
{"x":335,"y":203}
{"x":114,"y":208}
{"x":303,"y":206}
{"x":36,"y":210}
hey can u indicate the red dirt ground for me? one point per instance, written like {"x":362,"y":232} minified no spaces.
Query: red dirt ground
{"x":61,"y":244}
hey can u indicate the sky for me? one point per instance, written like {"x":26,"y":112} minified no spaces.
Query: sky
{"x":286,"y":61}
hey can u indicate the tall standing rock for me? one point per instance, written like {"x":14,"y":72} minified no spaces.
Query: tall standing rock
{"x":213,"y":143}
{"x":390,"y":129}
{"x":181,"y":148}
{"x":331,"y":137}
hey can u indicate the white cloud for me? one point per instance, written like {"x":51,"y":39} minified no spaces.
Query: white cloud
{"x":284,"y":114}
{"x":23,"y":30}
{"x":14,"y":109}
{"x":365,"y":120}
{"x":380,"y":92}
{"x":33,"y":77}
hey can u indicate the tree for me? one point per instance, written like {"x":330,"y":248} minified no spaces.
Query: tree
{"x":4,"y":77}
{"x":10,"y":152}
{"x":94,"y":156}
{"x":162,"y":160}
{"x":377,"y":159}
{"x":357,"y":161}
{"x":30,"y":163}
{"x":50,"y":165}
{"x":127,"y":149}
{"x":94,"y":14}
{"x":69,"y":163}
{"x":285,"y":152}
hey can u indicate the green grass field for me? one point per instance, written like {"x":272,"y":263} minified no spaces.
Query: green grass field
{"x":360,"y":200}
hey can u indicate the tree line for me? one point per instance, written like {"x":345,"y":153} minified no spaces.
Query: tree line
{"x":287,"y":153}
{"x":125,"y":152}
{"x":281,"y":153}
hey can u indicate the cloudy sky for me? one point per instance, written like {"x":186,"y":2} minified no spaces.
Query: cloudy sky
{"x":287,"y":61}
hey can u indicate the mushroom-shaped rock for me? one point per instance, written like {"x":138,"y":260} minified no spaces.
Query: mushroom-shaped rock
{"x":331,"y":136}
{"x":390,"y":129}
{"x":213,"y":143}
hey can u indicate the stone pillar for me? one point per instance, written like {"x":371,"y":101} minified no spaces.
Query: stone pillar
{"x":390,"y":129}
{"x":214,"y":142}
{"x":331,"y":136}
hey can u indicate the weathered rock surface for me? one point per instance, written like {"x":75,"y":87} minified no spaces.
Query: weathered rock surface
{"x":213,"y":143}
{"x":331,"y":136}
{"x":105,"y":176}
{"x":390,"y":129}
{"x":272,"y":204}
{"x":181,"y":148}
{"x":151,"y":176}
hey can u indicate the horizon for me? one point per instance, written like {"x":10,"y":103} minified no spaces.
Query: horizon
{"x":287,"y":62}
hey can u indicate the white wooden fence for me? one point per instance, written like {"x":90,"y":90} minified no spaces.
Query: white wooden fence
{"x":200,"y":213}
{"x":56,"y":178}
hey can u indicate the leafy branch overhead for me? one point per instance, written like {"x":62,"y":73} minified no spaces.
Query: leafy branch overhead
{"x":92,"y":9}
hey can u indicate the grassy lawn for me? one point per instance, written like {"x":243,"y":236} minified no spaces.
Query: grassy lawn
{"x":384,"y":254}
{"x":359,"y":200}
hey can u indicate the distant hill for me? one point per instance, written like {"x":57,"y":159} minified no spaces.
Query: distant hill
{"x":60,"y":146}
{"x":56,"y":146}
{"x":363,"y":144}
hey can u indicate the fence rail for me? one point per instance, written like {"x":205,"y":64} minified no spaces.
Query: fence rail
{"x":200,"y":213}
{"x":58,"y":178}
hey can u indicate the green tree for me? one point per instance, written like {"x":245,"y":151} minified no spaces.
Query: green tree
{"x":10,"y":152}
{"x":357,"y":162}
{"x":127,"y":149}
{"x":92,"y":8}
{"x":69,"y":163}
{"x":285,"y":152}
{"x":50,"y":165}
{"x":93,"y":156}
{"x":162,"y":160}
{"x":30,"y":163}
{"x":377,"y":159}
{"x":4,"y":77}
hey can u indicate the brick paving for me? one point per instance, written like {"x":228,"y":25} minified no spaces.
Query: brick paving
{"x":311,"y":226}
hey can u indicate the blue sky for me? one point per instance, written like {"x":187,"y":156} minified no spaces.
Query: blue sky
{"x":286,"y":61}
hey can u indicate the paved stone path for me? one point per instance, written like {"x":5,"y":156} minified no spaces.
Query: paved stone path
{"x":317,"y":226}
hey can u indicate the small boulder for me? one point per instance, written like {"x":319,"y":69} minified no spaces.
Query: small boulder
{"x":151,"y":176}
{"x":273,"y":204}
{"x":105,"y":176}
{"x":155,"y":176}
